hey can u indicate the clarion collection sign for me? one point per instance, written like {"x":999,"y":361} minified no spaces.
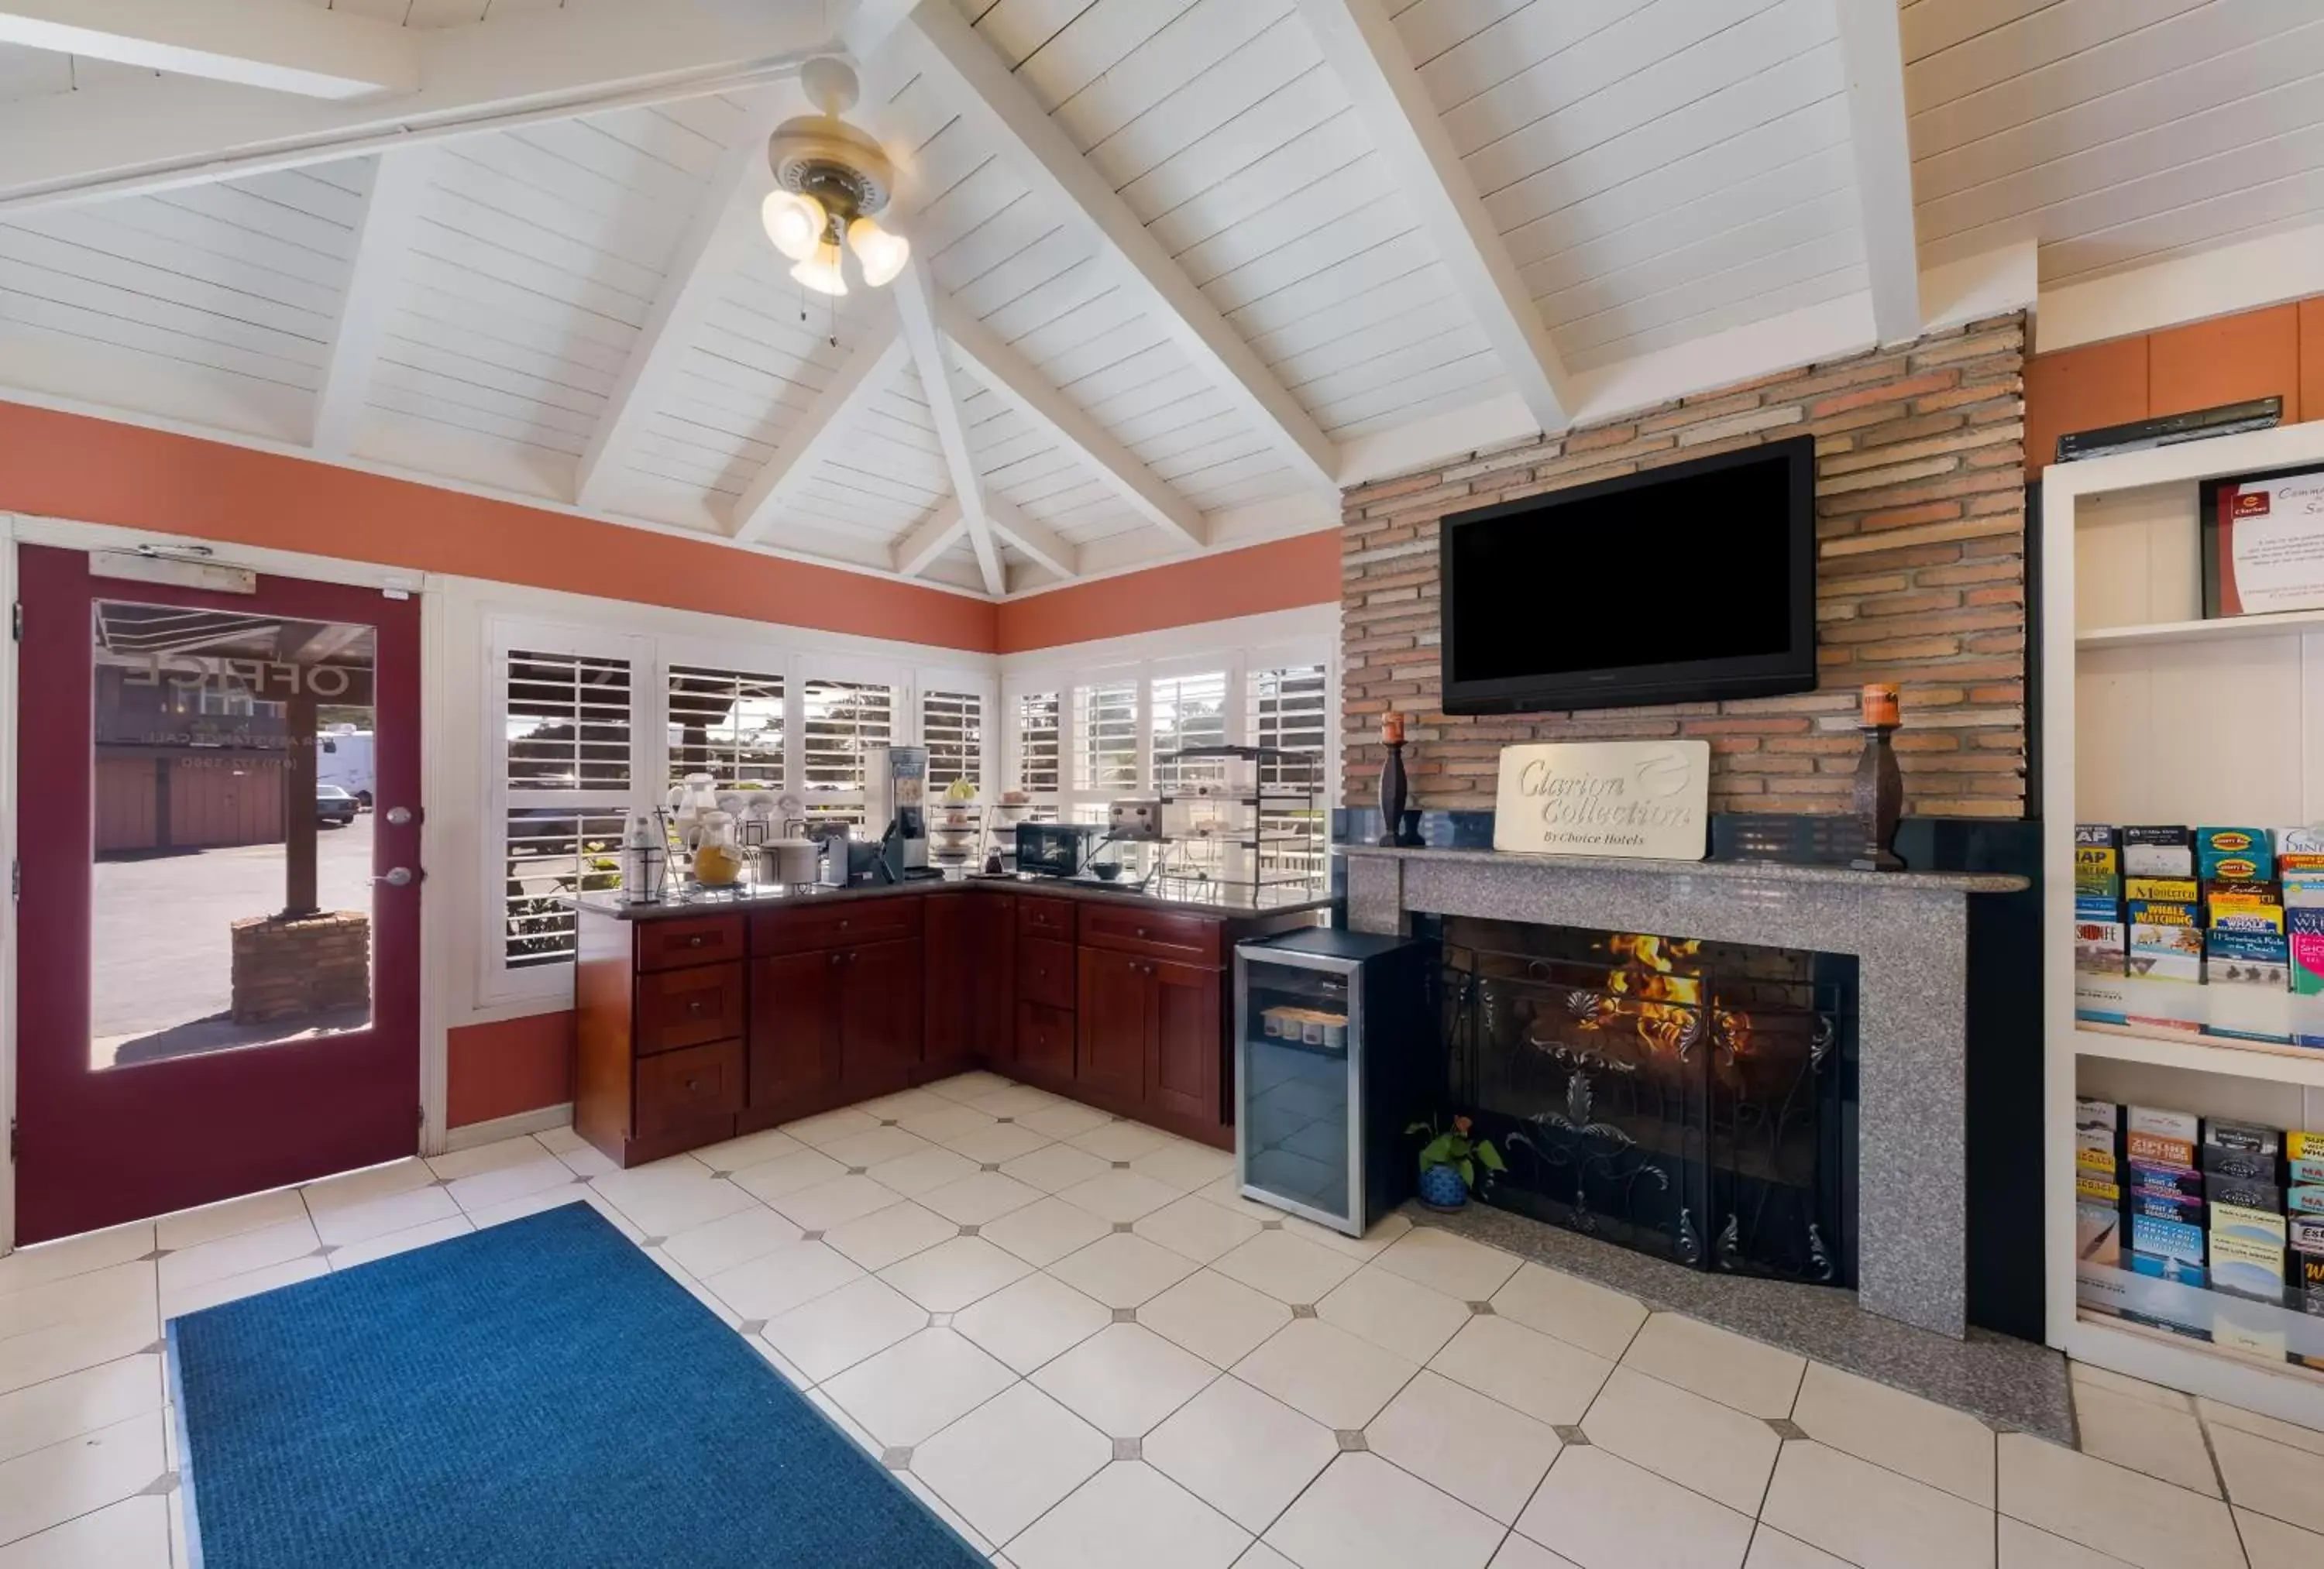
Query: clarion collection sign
{"x":1649,"y":799}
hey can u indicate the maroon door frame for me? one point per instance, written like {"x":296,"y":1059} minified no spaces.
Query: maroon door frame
{"x":98,"y":1148}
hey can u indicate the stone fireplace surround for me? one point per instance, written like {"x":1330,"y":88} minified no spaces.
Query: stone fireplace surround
{"x":1909,"y":933}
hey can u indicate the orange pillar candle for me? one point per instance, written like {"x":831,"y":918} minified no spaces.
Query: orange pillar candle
{"x":1391,"y":728}
{"x":1880,"y":705}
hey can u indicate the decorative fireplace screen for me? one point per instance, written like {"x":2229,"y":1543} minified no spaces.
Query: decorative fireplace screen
{"x":1691,"y":1100}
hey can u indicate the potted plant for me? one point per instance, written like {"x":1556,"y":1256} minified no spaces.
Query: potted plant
{"x":1449,"y":1162}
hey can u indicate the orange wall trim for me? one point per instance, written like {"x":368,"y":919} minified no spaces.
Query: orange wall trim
{"x":94,"y":470}
{"x":511,"y":1066}
{"x":1282,"y":574}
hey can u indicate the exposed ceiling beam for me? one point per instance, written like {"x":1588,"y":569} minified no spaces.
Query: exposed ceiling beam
{"x":725,"y":221}
{"x":1006,"y":115}
{"x":1364,"y":50}
{"x":938,"y":532}
{"x":538,"y":64}
{"x":282,"y":45}
{"x":870,"y":24}
{"x":916,"y":310}
{"x":1014,"y":380}
{"x":1043,"y":546}
{"x":399,"y":184}
{"x":1872,"y":51}
{"x":868,"y":368}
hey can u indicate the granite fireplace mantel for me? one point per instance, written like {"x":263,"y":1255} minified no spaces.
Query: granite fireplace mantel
{"x":1909,"y":933}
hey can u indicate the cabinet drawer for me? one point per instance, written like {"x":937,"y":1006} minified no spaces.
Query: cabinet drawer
{"x":1044,"y":972}
{"x":1038,"y":916}
{"x":680,"y":1088}
{"x":686,"y":1007}
{"x":854,"y":921}
{"x":1044,"y":1041}
{"x":703,"y":939}
{"x":1161,"y":933}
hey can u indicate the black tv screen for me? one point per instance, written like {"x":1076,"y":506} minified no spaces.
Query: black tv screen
{"x":1682,"y":584}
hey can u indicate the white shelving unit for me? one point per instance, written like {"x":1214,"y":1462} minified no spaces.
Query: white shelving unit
{"x":2152,"y":714}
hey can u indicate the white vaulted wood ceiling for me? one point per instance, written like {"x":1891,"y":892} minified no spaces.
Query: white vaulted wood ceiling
{"x":1182,"y":265}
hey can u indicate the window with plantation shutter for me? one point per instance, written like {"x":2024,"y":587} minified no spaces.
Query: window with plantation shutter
{"x":1105,"y":721}
{"x":839,"y":722}
{"x":1288,"y":712}
{"x":727,"y":724}
{"x":566,"y":734}
{"x":567,"y":722}
{"x":951,"y":727}
{"x":1186,"y":712}
{"x":1038,"y":739}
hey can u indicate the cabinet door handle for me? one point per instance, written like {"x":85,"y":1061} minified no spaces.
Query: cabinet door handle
{"x":694,"y":1083}
{"x":695,"y":1006}
{"x":1142,"y":932}
{"x":838,"y":960}
{"x":695,"y":941}
{"x":842,"y":926}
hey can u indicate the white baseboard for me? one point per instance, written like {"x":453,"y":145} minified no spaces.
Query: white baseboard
{"x":469,"y":1135}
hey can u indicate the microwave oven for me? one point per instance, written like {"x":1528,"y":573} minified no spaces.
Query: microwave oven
{"x":1053,"y":849}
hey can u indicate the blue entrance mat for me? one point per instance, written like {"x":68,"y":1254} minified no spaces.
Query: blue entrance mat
{"x":536,"y":1396}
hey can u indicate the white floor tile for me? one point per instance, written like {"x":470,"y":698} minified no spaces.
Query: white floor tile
{"x":1603,"y":1512}
{"x":1546,"y":1378}
{"x":962,"y":1088}
{"x":835,"y":1203}
{"x":1120,"y":1196}
{"x":669,"y":1197}
{"x":830,"y":1333}
{"x":133,"y":1534}
{"x":2083,"y":1373}
{"x":2146,"y":1436}
{"x":915,"y":1174}
{"x":1927,"y":1442}
{"x":355,"y":1189}
{"x":1033,"y":1322}
{"x":1393,"y":1313}
{"x":2025,"y":1546}
{"x":1045,"y":1231}
{"x":1288,"y":1269}
{"x":1869,"y":1516}
{"x":952,"y":1275}
{"x":1576,"y":1311}
{"x":775,"y":1282}
{"x":1453,"y":1265}
{"x":1065,"y":1120}
{"x":192,"y":1227}
{"x":876,"y":1145}
{"x":1184,"y":1164}
{"x":361,"y":1220}
{"x":902,"y":1104}
{"x":730,"y":1239}
{"x":1260,"y":1555}
{"x":2215,"y":1415}
{"x":2273,"y":1545}
{"x":1122,"y":1270}
{"x":1197,"y":1228}
{"x":1219,"y":1320}
{"x":1119,"y":1140}
{"x":371,"y":1250}
{"x":239,"y":1254}
{"x":1010,"y":1460}
{"x":946,"y":1512}
{"x":916,"y":1388}
{"x":1244,"y":1453}
{"x":730,"y":1155}
{"x":486,"y":1188}
{"x":1130,"y":1516}
{"x":81,"y":1402}
{"x":785,"y":1174}
{"x":37,"y":1266}
{"x":1753,"y":1377}
{"x":1382,"y":1235}
{"x":2144,"y":1522}
{"x":1771,"y":1549}
{"x":1523,"y":1553}
{"x":1055,"y":1168}
{"x":1000,"y":1141}
{"x":2274,"y":1479}
{"x":555,"y":1198}
{"x":1015,"y":1100}
{"x":943,"y":1127}
{"x":62,"y":1348}
{"x":886,"y":1236}
{"x":830,"y":1127}
{"x":78,"y":1299}
{"x":980,"y":1198}
{"x":455,"y":1164}
{"x":1363,"y":1513}
{"x":1692,"y":1440}
{"x":47,"y":1487}
{"x":1326,"y":1373}
{"x":1125,"y":1378}
{"x":1489,"y":1455}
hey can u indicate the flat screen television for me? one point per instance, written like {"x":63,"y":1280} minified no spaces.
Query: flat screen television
{"x":1687,"y":583}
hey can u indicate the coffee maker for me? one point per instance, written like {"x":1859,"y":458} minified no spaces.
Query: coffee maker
{"x":895,"y":797}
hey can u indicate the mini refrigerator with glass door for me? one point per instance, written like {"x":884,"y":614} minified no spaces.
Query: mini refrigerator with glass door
{"x":1337,"y":1052}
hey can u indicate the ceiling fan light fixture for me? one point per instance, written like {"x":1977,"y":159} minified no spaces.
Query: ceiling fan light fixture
{"x":882,"y":254}
{"x":820,"y":272}
{"x":794,"y":222}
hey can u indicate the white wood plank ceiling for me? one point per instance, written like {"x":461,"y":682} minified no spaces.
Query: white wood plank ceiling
{"x":1181,"y":266}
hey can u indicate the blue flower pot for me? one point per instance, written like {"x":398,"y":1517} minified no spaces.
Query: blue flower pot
{"x":1440,"y":1187}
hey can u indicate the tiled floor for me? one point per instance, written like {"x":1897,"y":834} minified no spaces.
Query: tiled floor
{"x":1070,"y":1337}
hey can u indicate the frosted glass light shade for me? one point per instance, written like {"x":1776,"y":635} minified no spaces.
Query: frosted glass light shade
{"x":882,"y":254}
{"x":820,"y":272}
{"x":794,"y":223}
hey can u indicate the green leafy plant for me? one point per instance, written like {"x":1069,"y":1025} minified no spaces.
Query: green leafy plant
{"x":1457,"y":1149}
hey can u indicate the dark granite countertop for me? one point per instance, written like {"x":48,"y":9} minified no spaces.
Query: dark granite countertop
{"x":1224,"y":900}
{"x":1747,"y":871}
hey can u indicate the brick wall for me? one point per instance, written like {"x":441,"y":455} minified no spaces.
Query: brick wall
{"x":1920,"y":580}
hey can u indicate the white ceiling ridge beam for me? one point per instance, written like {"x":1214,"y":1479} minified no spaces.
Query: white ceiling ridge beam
{"x":1002,"y":113}
{"x":400,"y":180}
{"x":284,"y":46}
{"x":1872,"y":51}
{"x":724,"y":220}
{"x":1041,"y":545}
{"x":2248,"y":275}
{"x":938,"y":532}
{"x":492,"y":76}
{"x":1012,"y":379}
{"x":1362,"y":47}
{"x":915,"y":311}
{"x":867,"y":372}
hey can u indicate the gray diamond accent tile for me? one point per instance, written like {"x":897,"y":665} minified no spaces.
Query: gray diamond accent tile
{"x":1303,"y":1310}
{"x":897,"y":1459}
{"x":1270,"y":1225}
{"x":1352,"y":1442}
{"x":653,"y":1241}
{"x":989,"y":1166}
{"x":890,"y":1122}
{"x":1786,"y":1428}
{"x":969,"y":1230}
{"x":441,"y":1182}
{"x":1121,"y":1165}
{"x":1125,"y":1226}
{"x":161,"y":1486}
{"x":1129,"y":1449}
{"x":325,"y":1252}
{"x":156,"y":1253}
{"x":857,"y":1170}
{"x":1481,"y":1309}
{"x":1004,"y":1119}
{"x":157,"y":1348}
{"x":1571,"y":1434}
{"x":940,"y":1320}
{"x":1125,"y":1316}
{"x":810,"y":1236}
{"x":719,"y":1176}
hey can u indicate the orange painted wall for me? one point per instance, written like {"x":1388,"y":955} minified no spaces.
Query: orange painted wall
{"x":515,"y":1065}
{"x":66,"y":465}
{"x":2278,"y":352}
{"x":1280,"y":575}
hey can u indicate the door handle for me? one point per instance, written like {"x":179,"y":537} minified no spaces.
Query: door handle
{"x":397,"y":877}
{"x":399,"y":816}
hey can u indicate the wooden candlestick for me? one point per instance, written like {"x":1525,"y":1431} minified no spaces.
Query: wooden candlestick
{"x":1392,"y":782}
{"x":1880,"y":796}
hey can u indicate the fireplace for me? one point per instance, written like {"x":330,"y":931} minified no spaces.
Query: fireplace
{"x":1692,"y":1100}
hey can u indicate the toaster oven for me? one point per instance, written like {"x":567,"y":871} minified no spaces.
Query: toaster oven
{"x":1053,"y":849}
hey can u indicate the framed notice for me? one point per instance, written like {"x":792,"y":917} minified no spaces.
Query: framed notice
{"x":1648,"y":799}
{"x":2264,"y":546}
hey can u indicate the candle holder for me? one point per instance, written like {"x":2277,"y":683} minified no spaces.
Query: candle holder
{"x":1879,"y":797}
{"x":1393,"y":787}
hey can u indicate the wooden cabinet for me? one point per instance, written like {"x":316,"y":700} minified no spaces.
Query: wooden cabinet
{"x":1152,"y":1031}
{"x":948,"y":1038}
{"x":659,"y":1067}
{"x":1115,"y":1000}
{"x":795,"y":1060}
{"x":1044,"y":1045}
{"x":993,"y":949}
{"x":879,"y":1018}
